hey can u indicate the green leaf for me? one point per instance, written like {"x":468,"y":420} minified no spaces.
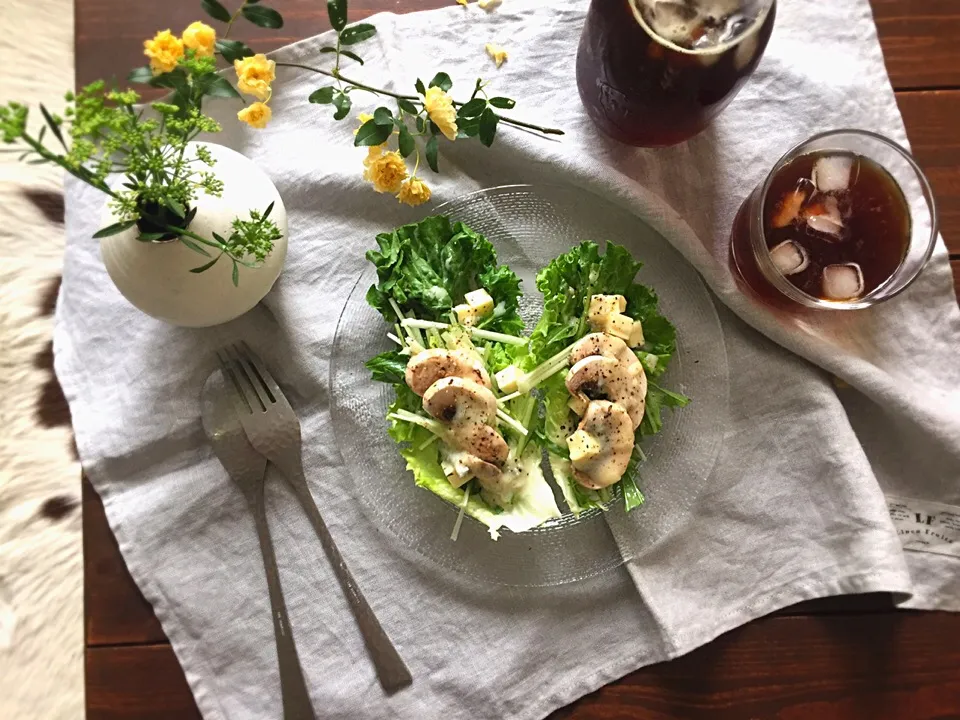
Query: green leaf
{"x":407,"y":106}
{"x":337,"y":12}
{"x":215,"y":10}
{"x":432,"y":149}
{"x":383,"y":116}
{"x":503,"y":103}
{"x":406,"y":142}
{"x":205,"y":266}
{"x":632,"y":497}
{"x":236,"y":274}
{"x":151,"y":236}
{"x":419,"y":86}
{"x":370,"y":133}
{"x":114,"y":229}
{"x":343,"y":104}
{"x":442,"y":81}
{"x":175,"y":207}
{"x":389,"y":367}
{"x":357,"y":33}
{"x":488,"y":127}
{"x":266,"y":213}
{"x":468,"y":127}
{"x":193,"y":246}
{"x":263,"y":16}
{"x":54,"y":127}
{"x":473,"y":108}
{"x":140,"y":75}
{"x":352,"y":56}
{"x":323,"y":96}
{"x":328,"y":49}
{"x":421,"y":124}
{"x":233,"y":50}
{"x":217,"y":86}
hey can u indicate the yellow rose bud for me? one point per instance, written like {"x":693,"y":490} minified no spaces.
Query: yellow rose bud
{"x":164,"y":51}
{"x":496,"y":53}
{"x":440,"y":109}
{"x":256,"y":115}
{"x":385,"y":169}
{"x":200,"y":38}
{"x":413,"y":192}
{"x":254,"y":75}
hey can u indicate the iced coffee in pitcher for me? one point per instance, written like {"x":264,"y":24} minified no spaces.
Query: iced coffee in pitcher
{"x":657,"y":72}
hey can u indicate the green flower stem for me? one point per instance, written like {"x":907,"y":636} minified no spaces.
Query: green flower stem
{"x":336,"y":75}
{"x":80,"y":173}
{"x":233,"y":17}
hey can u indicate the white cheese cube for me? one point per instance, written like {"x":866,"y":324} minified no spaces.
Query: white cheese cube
{"x":636,"y":335}
{"x":507,"y":379}
{"x":619,"y":326}
{"x":583,"y":446}
{"x":578,"y":405}
{"x":601,"y":307}
{"x":480,"y":301}
{"x":466,"y":315}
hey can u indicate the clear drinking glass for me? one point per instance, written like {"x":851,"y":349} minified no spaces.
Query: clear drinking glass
{"x":893,"y":251}
{"x":657,"y":72}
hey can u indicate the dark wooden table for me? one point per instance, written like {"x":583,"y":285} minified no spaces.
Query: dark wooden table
{"x":841,"y":658}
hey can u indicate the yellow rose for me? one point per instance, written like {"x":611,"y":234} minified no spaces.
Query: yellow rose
{"x":201,"y":38}
{"x":413,"y":192}
{"x":164,"y":51}
{"x":385,"y":169}
{"x":254,"y":75}
{"x":440,"y":109}
{"x":256,"y":115}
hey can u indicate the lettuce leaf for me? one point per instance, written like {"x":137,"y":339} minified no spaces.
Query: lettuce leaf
{"x":567,"y":284}
{"x":426,"y":269}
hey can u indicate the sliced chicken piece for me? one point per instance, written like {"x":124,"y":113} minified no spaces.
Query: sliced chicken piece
{"x":596,"y":377}
{"x":459,"y":401}
{"x":428,"y":366}
{"x":482,"y":441}
{"x":608,"y":346}
{"x":602,"y":445}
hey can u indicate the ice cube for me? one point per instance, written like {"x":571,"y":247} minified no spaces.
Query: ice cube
{"x":824,"y":217}
{"x":843,"y":282}
{"x":790,"y":207}
{"x":789,"y":257}
{"x":832,"y":173}
{"x":675,"y":22}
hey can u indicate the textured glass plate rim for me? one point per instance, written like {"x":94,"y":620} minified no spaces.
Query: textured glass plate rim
{"x":552,"y":526}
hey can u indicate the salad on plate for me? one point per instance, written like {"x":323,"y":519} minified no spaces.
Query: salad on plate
{"x":478,"y":401}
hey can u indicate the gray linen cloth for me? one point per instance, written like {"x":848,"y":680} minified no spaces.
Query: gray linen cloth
{"x":795,"y":507}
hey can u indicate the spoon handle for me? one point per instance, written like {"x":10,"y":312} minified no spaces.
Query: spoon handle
{"x":293,"y":687}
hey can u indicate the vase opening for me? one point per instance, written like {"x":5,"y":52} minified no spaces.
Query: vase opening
{"x":155,"y":218}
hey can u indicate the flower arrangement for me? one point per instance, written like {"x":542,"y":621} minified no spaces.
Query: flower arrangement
{"x":104,"y":131}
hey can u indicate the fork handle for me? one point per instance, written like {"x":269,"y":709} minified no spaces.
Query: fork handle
{"x":293,"y":687}
{"x":391,"y":670}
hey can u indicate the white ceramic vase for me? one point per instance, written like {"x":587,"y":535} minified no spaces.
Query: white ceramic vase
{"x":156,"y":277}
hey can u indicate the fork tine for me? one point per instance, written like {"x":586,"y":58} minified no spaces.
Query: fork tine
{"x":232,"y":385}
{"x":262,"y":372}
{"x":251,"y":388}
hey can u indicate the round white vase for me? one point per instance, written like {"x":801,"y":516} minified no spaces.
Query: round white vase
{"x":155,"y":276}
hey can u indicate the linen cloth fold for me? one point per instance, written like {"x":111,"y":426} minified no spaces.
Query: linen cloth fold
{"x":795,"y":507}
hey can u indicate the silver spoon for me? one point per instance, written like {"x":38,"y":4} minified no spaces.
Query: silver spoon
{"x":248,"y":468}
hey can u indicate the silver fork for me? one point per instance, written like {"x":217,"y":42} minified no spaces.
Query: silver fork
{"x":274,"y":430}
{"x":248,"y":470}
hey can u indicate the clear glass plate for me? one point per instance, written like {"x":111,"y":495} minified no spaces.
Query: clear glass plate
{"x":529,"y":226}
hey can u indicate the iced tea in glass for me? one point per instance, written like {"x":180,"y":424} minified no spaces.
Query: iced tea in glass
{"x":657,"y":72}
{"x":843,"y":221}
